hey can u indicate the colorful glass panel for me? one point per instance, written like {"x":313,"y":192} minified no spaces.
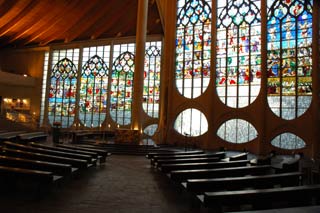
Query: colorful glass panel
{"x":289,"y":70}
{"x":151,"y":87}
{"x":191,"y":123}
{"x":121,"y":88}
{"x":93,"y":92}
{"x":238,"y":69}
{"x":288,"y":141}
{"x":193,"y":47}
{"x":62,"y":95}
{"x":237,"y":131}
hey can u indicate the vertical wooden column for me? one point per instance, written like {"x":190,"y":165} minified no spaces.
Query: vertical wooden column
{"x":137,"y":110}
{"x":315,"y":79}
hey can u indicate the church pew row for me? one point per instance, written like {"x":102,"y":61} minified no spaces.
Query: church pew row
{"x":56,"y":168}
{"x":150,"y":155}
{"x":87,"y":158}
{"x":78,"y":163}
{"x":32,"y":136}
{"x":166,"y":168}
{"x":101,"y":152}
{"x":262,"y":198}
{"x":10,"y":136}
{"x":187,"y":160}
{"x":61,"y":149}
{"x":199,"y":186}
{"x":157,"y":158}
{"x":183,"y":175}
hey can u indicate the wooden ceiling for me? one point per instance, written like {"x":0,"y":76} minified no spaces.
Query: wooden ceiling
{"x":44,"y":22}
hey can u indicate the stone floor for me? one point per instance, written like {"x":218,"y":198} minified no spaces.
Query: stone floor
{"x":122,"y":184}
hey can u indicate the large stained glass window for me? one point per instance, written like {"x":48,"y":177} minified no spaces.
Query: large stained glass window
{"x":151,"y":86}
{"x":288,"y":141}
{"x":122,"y":84}
{"x":289,"y":73}
{"x":193,"y":47}
{"x":238,"y":69}
{"x":63,"y":87}
{"x":191,"y":123}
{"x":94,"y":86}
{"x":237,"y":131}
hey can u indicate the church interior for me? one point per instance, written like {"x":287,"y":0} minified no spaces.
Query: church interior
{"x":159,"y":105}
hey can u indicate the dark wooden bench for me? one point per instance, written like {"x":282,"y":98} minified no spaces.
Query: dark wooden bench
{"x":12,"y":178}
{"x":156,"y":158}
{"x":78,"y":163}
{"x":211,"y":165}
{"x":200,"y":186}
{"x":61,"y":149}
{"x":168,"y":153}
{"x":32,"y":136}
{"x":88,"y":158}
{"x":56,"y":168}
{"x":183,"y":175}
{"x":101,"y":152}
{"x":263,"y":198}
{"x":262,"y":160}
{"x":241,"y":156}
{"x":10,"y":136}
{"x":187,"y":160}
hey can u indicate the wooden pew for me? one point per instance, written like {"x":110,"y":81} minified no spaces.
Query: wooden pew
{"x":32,"y":136}
{"x":156,"y":158}
{"x":262,"y":198}
{"x":78,"y":163}
{"x":241,"y":156}
{"x":183,"y":175}
{"x":101,"y":152}
{"x":88,"y":158}
{"x":56,"y":168}
{"x":187,"y":160}
{"x":10,"y":136}
{"x":151,"y":154}
{"x":92,"y":154}
{"x":211,"y":165}
{"x":200,"y":186}
{"x":12,"y":178}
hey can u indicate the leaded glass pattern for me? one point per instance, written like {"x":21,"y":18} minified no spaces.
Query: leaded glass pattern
{"x":238,"y":68}
{"x":63,"y":87}
{"x":289,"y":70}
{"x":122,"y":86}
{"x":193,"y":47}
{"x":237,"y":131}
{"x":288,"y":141}
{"x":44,"y":86}
{"x":151,"y":85}
{"x":191,"y":123}
{"x":94,"y":86}
{"x":150,"y":130}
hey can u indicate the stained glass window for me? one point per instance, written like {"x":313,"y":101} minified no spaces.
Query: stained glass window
{"x":193,"y":47}
{"x":150,"y":130}
{"x":94,"y":86}
{"x":289,"y":72}
{"x":191,"y":123}
{"x":63,"y":87}
{"x":122,"y":84}
{"x":237,"y":131}
{"x":151,"y":87}
{"x":238,"y":69}
{"x":289,"y":141}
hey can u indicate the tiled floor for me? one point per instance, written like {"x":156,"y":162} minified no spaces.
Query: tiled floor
{"x":122,"y":184}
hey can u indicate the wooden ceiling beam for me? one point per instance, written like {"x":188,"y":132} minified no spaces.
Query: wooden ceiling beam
{"x":89,"y":19}
{"x":74,"y":17}
{"x":113,"y":19}
{"x":53,"y":24}
{"x":18,"y":19}
{"x":36,"y":23}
